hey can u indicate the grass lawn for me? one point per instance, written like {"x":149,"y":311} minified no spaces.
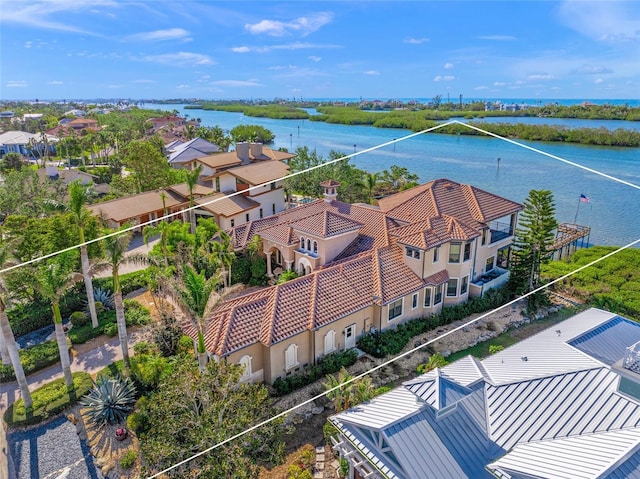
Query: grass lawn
{"x":48,"y":400}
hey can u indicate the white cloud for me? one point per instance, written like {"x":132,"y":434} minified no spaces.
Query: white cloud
{"x":592,"y":70}
{"x":444,"y":78}
{"x":497,"y":38}
{"x":416,"y":41}
{"x":178,"y":59}
{"x":448,"y":66}
{"x":481,"y":87}
{"x":372,"y":72}
{"x":236,"y":83}
{"x":114,"y":87}
{"x":144,"y":80}
{"x":598,"y":81}
{"x":499,"y":83}
{"x":241,"y":49}
{"x":182,"y":87}
{"x":28,"y":44}
{"x":314,"y":58}
{"x":161,"y":35}
{"x":604,"y":21}
{"x":16,"y":83}
{"x":285,"y":46}
{"x":302,"y":25}
{"x":55,"y":82}
{"x":540,"y":76}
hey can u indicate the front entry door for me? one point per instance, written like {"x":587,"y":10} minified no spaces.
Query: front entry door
{"x":350,"y":337}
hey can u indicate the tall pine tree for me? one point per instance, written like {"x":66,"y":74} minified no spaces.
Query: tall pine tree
{"x":532,"y":245}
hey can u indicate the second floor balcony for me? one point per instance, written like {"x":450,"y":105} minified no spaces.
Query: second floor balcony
{"x":499,"y":231}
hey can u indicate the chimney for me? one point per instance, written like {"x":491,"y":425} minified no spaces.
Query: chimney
{"x":256,"y":151}
{"x":242,"y":150}
{"x":330,"y":190}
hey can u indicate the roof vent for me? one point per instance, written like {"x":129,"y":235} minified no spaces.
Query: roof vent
{"x":525,"y":358}
{"x":559,"y":332}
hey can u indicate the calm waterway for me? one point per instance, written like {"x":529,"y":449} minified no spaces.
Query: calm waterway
{"x":613,"y":210}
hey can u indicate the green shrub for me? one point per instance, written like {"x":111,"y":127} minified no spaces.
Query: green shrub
{"x":129,"y":459}
{"x":328,"y":364}
{"x":495,"y":348}
{"x":241,"y":270}
{"x":25,"y":318}
{"x":143,"y":347}
{"x":48,"y":400}
{"x":135,"y":313}
{"x":258,"y":269}
{"x":129,"y":282}
{"x":329,"y":431}
{"x":78,"y":319}
{"x":185,"y":345}
{"x":287,"y":275}
{"x":33,"y":359}
{"x":392,"y":341}
{"x":85,"y":333}
{"x":110,"y":329}
{"x":138,"y":421}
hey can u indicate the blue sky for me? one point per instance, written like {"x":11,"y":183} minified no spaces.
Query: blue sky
{"x":82,"y":49}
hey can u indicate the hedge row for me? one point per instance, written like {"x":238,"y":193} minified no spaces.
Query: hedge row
{"x":392,"y":341}
{"x":329,"y":364}
{"x":33,"y":359}
{"x":25,"y":318}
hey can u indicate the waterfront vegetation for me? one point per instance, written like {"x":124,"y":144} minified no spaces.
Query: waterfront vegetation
{"x":610,"y":284}
{"x":279,"y":112}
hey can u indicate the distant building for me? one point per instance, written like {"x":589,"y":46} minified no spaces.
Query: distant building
{"x":564,"y":403}
{"x":180,"y":152}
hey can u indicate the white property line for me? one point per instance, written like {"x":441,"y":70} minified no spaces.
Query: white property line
{"x":390,"y":361}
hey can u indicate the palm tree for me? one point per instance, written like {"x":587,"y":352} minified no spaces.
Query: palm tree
{"x":116,"y":252}
{"x":53,"y":279}
{"x":371,"y":182}
{"x":77,"y":200}
{"x":194,"y":295}
{"x":224,"y":250}
{"x":191,"y":178}
{"x":8,"y":338}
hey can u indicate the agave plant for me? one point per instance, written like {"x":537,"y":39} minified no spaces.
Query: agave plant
{"x":103,"y":296}
{"x":109,"y":401}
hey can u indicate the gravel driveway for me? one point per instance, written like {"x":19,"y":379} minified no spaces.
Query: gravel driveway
{"x":51,"y":451}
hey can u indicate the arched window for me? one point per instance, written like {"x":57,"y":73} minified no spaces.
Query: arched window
{"x":291,"y":357}
{"x":301,"y":242}
{"x":246,"y":362}
{"x":330,"y":342}
{"x":308,"y":245}
{"x":315,"y":247}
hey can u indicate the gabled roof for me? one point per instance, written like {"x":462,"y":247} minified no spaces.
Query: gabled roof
{"x":218,"y":160}
{"x":566,"y":420}
{"x":22,"y":138}
{"x":468,"y":204}
{"x":183,"y":190}
{"x":434,"y":232}
{"x":179,"y":152}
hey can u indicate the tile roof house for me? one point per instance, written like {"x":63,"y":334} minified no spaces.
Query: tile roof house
{"x":564,"y":403}
{"x":363,"y":268}
{"x":23,"y":143}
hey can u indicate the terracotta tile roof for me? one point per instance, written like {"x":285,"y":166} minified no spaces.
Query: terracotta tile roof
{"x":122,"y":209}
{"x":261,"y":172}
{"x":374,"y":232}
{"x":468,"y":204}
{"x":282,"y":233}
{"x":330,"y":183}
{"x":279,"y":312}
{"x":326,"y":224}
{"x":225,"y":205}
{"x":433,"y":232}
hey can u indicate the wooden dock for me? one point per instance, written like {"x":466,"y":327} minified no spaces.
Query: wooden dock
{"x":569,"y":237}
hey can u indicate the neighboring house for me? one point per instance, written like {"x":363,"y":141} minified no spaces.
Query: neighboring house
{"x":7,"y":114}
{"x":24,"y":143}
{"x":179,"y":152}
{"x":564,"y":403}
{"x":83,"y":123}
{"x":147,"y":206}
{"x":75,"y":112}
{"x":66,"y":176}
{"x":232,"y":195}
{"x":166,"y":121}
{"x":365,"y":269}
